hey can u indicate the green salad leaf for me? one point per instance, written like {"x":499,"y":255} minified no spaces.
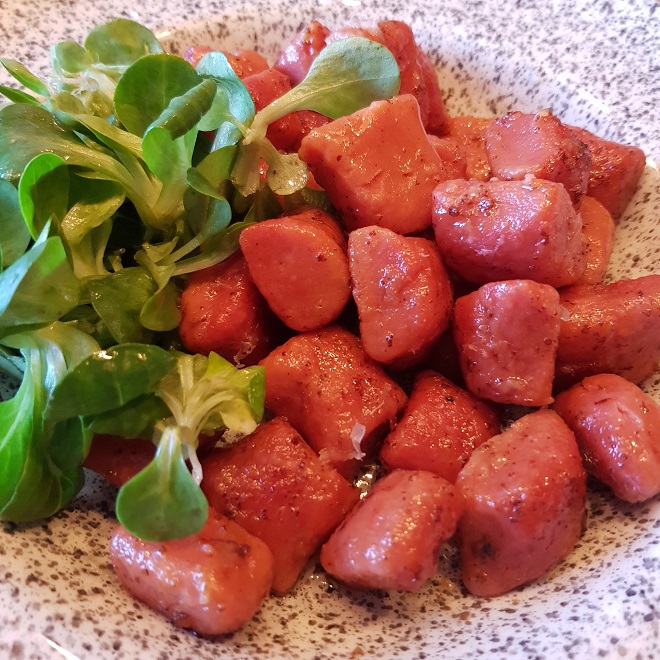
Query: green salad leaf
{"x":135,"y":419}
{"x":110,"y":379}
{"x":69,"y":58}
{"x":43,"y":191}
{"x":25,"y":76}
{"x":14,"y":232}
{"x":41,"y":133}
{"x":38,"y":288}
{"x":233,"y":109}
{"x":163,"y":501}
{"x":40,"y":458}
{"x":121,"y":173}
{"x":346,"y":76}
{"x":85,"y":229}
{"x":120,"y":42}
{"x":85,"y":77}
{"x":18,"y":95}
{"x":119,"y":298}
{"x":147,"y":88}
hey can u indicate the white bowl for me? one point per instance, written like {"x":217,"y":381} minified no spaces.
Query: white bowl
{"x":595,"y":64}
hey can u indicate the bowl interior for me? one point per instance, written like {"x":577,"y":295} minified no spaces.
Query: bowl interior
{"x":58,"y":587}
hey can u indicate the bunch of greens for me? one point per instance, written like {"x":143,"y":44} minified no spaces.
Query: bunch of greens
{"x":110,"y":193}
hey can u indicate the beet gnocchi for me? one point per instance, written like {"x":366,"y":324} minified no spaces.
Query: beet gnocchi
{"x":404,"y":280}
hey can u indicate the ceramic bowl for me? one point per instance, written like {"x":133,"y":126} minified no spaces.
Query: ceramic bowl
{"x":595,"y":65}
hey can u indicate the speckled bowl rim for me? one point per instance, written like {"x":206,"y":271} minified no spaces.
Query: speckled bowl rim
{"x":593,"y":63}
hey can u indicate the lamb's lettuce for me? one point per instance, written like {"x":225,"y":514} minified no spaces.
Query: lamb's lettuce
{"x":110,"y":194}
{"x":118,"y":298}
{"x":163,"y":501}
{"x":346,"y":76}
{"x":204,"y":395}
{"x":233,"y":109}
{"x":110,"y":379}
{"x":38,"y":288}
{"x":119,"y":43}
{"x":40,"y":458}
{"x":85,"y":76}
{"x":14,"y":234}
{"x":43,"y":191}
